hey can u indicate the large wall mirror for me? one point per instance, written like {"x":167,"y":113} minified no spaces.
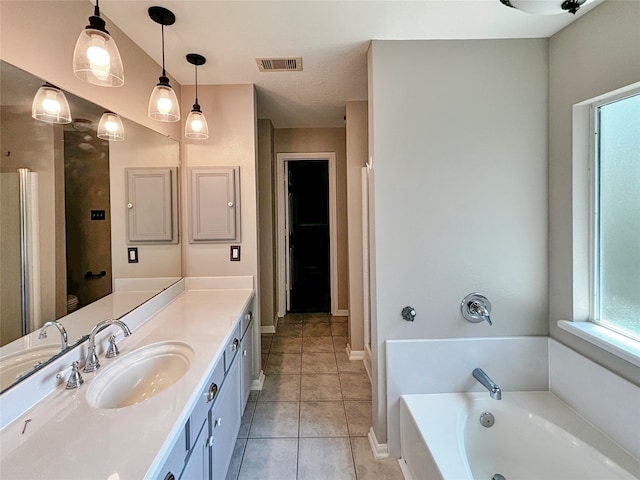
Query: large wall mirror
{"x":64,"y":249}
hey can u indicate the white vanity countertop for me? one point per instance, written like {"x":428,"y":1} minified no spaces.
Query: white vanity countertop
{"x":68,"y":439}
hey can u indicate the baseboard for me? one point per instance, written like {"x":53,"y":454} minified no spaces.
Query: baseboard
{"x":267,"y":329}
{"x":405,"y":470}
{"x":258,"y":383}
{"x":380,"y":450}
{"x":340,"y":313}
{"x":354,"y":354}
{"x":367,"y":361}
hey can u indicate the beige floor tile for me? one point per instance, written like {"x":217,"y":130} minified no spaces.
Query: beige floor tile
{"x":337,"y":319}
{"x":317,"y":344}
{"x":320,"y":387}
{"x":289,"y":330}
{"x":340,"y":343}
{"x":323,"y":419}
{"x":275,"y":419}
{"x":321,"y":317}
{"x":325,"y":459}
{"x":283,"y":363}
{"x":340,"y":329}
{"x":349,"y":366}
{"x":253,"y":395}
{"x":280,"y":388}
{"x":355,"y":386}
{"x":358,"y":417}
{"x":270,"y":459}
{"x":316,"y":329}
{"x":236,"y":459}
{"x":368,"y":468}
{"x":291,"y":318}
{"x":286,"y":345}
{"x":263,"y":360}
{"x":313,"y":362}
{"x":266,"y":343}
{"x":245,"y":423}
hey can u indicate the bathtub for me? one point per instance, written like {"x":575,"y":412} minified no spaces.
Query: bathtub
{"x":534,"y":436}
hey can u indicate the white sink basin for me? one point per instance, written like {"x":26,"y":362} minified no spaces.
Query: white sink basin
{"x":140,"y":375}
{"x":20,"y":363}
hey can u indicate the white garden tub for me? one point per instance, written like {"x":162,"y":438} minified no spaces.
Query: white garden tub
{"x":535,"y":436}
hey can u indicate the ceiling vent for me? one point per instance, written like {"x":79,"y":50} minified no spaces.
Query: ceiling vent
{"x":279,"y":64}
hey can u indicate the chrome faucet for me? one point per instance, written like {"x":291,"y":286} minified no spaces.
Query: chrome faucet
{"x":93,"y":363}
{"x":483,"y":378}
{"x":63,"y":332}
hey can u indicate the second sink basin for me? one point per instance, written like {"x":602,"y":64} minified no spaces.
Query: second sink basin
{"x":140,"y":375}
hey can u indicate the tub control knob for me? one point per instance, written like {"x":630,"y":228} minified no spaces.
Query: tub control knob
{"x":409,"y":314}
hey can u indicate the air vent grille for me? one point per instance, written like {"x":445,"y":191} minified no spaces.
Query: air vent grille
{"x":279,"y":64}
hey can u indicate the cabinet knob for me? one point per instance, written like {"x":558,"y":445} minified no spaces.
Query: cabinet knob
{"x":218,"y":422}
{"x":170,"y":476}
{"x":235,"y":344}
{"x":213,"y":391}
{"x":129,"y":205}
{"x":249,"y":316}
{"x":230,"y":204}
{"x":244,"y":353}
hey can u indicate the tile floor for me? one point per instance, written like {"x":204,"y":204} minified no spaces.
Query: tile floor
{"x":310,"y":421}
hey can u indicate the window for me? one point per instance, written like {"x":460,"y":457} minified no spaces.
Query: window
{"x":616,"y":214}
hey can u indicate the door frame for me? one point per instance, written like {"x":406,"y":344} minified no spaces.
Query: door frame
{"x":282,"y":238}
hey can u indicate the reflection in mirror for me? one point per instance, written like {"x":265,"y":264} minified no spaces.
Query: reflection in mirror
{"x":63,"y":226}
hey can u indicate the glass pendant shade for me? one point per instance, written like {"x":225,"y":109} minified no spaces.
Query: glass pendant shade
{"x":96,"y":59}
{"x":110,"y":127}
{"x":196,"y":126}
{"x":163,"y":104}
{"x":50,"y":105}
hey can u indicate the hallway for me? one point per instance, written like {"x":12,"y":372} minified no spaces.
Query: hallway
{"x":311,"y":419}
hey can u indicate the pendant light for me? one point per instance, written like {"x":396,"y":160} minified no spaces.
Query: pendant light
{"x":50,"y":105}
{"x":163,"y":104}
{"x":196,"y":126}
{"x":96,"y":58}
{"x":110,"y":127}
{"x":545,"y":7}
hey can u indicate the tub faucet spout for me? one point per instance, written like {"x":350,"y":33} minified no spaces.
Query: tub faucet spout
{"x":483,"y":378}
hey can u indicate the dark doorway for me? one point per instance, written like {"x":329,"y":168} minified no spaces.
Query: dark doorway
{"x":309,"y":236}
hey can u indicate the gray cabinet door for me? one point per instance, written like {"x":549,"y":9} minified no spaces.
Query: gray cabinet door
{"x":214,"y":204}
{"x":151,"y":204}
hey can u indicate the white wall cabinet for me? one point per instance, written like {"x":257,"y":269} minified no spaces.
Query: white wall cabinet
{"x":151,"y":203}
{"x":215,"y":209}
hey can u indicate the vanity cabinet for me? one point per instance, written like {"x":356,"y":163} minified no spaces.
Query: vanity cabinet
{"x":204,"y":448}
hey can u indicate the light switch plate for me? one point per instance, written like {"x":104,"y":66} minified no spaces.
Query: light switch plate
{"x":132,"y":254}
{"x":235,"y":253}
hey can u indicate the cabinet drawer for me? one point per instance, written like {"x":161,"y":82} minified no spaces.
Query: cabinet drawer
{"x":233,"y":346}
{"x":175,"y":462}
{"x":206,"y":399}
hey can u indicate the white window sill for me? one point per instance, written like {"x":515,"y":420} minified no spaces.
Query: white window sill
{"x":612,"y":342}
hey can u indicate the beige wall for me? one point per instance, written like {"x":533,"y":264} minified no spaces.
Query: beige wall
{"x":309,"y":140}
{"x":267,"y":222}
{"x":598,"y":53}
{"x":459,"y":146}
{"x":230,"y":112}
{"x":357,"y":155}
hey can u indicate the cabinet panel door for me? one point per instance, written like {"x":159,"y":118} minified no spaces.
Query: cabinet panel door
{"x":214,"y":204}
{"x":150,"y":204}
{"x":246,"y":357}
{"x":197,"y":467}
{"x":225,"y":422}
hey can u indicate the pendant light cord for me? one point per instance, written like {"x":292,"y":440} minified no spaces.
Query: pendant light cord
{"x":196,"y":67}
{"x":164,"y":74}
{"x":96,"y":10}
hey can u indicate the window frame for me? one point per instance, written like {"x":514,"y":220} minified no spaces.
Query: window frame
{"x":594,"y":204}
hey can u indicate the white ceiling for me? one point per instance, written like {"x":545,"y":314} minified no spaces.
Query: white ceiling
{"x":331,"y":36}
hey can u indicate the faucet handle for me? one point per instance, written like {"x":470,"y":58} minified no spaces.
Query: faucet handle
{"x":75,"y":379}
{"x":112,"y":350}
